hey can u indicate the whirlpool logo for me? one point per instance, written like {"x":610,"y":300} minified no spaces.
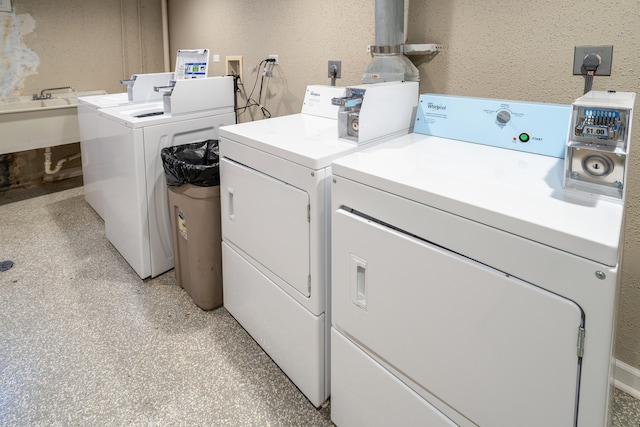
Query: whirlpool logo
{"x":315,"y":93}
{"x":437,"y":107}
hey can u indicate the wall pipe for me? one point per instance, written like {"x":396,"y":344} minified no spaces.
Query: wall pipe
{"x":389,"y":22}
{"x":165,"y":36}
{"x":388,"y":62}
{"x":122,"y":37}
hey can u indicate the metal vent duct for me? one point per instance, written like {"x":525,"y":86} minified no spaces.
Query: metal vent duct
{"x":389,"y":63}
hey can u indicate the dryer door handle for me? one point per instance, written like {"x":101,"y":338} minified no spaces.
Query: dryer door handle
{"x":358,"y":279}
{"x":231,"y":212}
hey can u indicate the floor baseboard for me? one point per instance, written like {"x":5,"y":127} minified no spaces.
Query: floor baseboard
{"x":627,"y":379}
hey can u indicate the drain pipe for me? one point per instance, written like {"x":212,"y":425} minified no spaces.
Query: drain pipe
{"x":47,"y":161}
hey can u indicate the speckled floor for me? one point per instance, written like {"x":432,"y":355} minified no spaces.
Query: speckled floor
{"x":85,"y":342}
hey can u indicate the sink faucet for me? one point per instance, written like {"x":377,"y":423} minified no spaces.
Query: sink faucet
{"x":48,"y":95}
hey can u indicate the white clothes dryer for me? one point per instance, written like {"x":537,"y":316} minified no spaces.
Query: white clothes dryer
{"x":275,"y":179}
{"x":131,"y":137}
{"x":468,"y":287}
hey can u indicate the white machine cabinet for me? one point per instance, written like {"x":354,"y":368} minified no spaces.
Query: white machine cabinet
{"x":136,"y":211}
{"x":468,"y":288}
{"x":275,"y":200}
{"x":139,"y":90}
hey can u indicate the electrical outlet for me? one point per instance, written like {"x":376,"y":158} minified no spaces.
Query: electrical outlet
{"x":605,"y":53}
{"x":274,"y":57}
{"x":334,"y":69}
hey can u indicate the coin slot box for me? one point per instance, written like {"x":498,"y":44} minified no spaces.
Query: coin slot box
{"x":598,"y":143}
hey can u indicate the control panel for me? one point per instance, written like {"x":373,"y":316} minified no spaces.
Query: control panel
{"x":539,"y":128}
{"x":191,"y":64}
{"x":597,"y":145}
{"x":317,"y":101}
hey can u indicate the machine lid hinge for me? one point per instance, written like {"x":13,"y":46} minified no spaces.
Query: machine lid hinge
{"x":309,"y":212}
{"x":309,"y":284}
{"x":580,"y":341}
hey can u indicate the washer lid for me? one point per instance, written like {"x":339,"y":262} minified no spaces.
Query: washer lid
{"x":136,"y":116}
{"x":103,"y":101}
{"x":520,"y":193}
{"x":304,"y":139}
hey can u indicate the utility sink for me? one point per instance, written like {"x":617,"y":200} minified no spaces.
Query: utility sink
{"x":37,"y":104}
{"x":63,"y":100}
{"x":28,"y":124}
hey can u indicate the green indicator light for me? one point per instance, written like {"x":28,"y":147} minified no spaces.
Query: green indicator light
{"x":524,"y":137}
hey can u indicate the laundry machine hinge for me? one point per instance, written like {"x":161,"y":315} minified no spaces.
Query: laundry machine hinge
{"x":580,"y":341}
{"x":309,"y":212}
{"x":309,"y":284}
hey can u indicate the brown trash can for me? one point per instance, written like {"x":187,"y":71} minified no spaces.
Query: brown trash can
{"x":197,"y":242}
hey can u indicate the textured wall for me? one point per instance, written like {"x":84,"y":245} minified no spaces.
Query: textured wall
{"x":494,"y":48}
{"x":90,"y":44}
{"x":304,"y":33}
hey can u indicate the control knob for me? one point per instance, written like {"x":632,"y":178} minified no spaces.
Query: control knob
{"x":503,"y":117}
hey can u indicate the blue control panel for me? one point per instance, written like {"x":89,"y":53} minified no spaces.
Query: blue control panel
{"x":539,"y":128}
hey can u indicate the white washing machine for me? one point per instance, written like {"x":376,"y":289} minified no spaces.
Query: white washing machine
{"x":275,"y":200}
{"x":136,"y":211}
{"x":139,"y":90}
{"x":469,"y":287}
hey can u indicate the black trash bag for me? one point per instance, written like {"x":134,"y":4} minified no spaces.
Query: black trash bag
{"x":197,"y":164}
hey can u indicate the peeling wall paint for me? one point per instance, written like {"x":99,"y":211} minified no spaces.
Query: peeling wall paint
{"x":17,"y":61}
{"x":89,"y":44}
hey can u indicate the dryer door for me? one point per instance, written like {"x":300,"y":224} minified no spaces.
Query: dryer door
{"x":494,"y":348}
{"x":268,"y":220}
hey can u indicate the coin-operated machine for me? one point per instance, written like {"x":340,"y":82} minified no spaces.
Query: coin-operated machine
{"x":597,"y":149}
{"x":373,"y":112}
